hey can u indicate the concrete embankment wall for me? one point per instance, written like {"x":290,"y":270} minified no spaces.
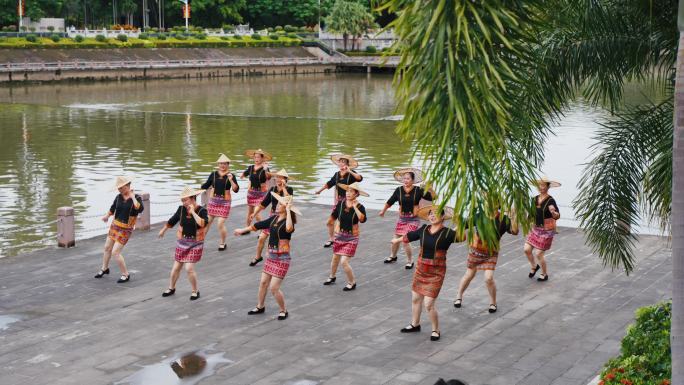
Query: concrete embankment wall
{"x":146,"y":55}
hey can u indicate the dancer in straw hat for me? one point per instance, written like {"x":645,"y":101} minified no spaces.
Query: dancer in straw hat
{"x":484,"y":257}
{"x":221,"y":181}
{"x":190,"y":244}
{"x":346,"y":175}
{"x":541,"y":235}
{"x":346,"y":218}
{"x":281,"y":188}
{"x":408,"y":196}
{"x":281,"y":227}
{"x":125,"y":209}
{"x":258,"y":175}
{"x":435,"y":240}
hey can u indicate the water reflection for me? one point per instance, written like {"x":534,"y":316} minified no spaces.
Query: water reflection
{"x":64,"y":143}
{"x":184,"y":369}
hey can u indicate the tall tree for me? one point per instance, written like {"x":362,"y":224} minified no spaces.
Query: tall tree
{"x":481,"y":81}
{"x":349,"y":18}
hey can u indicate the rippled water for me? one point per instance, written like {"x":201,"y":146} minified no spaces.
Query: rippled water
{"x":64,"y":143}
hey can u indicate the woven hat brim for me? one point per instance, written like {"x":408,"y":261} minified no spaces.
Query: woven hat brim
{"x":353,"y":163}
{"x":399,"y":174}
{"x":345,"y":187}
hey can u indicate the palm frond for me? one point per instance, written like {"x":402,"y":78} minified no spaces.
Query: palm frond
{"x":610,"y":198}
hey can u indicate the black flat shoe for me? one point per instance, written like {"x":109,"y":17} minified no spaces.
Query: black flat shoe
{"x":408,"y":266}
{"x":349,"y":287}
{"x":532,"y":273}
{"x":328,"y":244}
{"x":168,"y":292}
{"x":411,"y":329}
{"x":124,"y":278}
{"x":435,"y":336}
{"x":492,"y":308}
{"x":390,"y":260}
{"x":102,"y":273}
{"x":330,"y":281}
{"x":257,"y":310}
{"x":222,"y":247}
{"x":543,"y":277}
{"x":457,"y":303}
{"x":282,"y":315}
{"x":194,"y":296}
{"x":255,"y":261}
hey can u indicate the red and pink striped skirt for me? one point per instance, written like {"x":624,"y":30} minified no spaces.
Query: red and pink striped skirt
{"x":540,"y":239}
{"x":277,"y":264}
{"x":189,"y":250}
{"x":406,"y":224}
{"x":254,"y":197}
{"x":219,"y":207}
{"x":345,"y":244}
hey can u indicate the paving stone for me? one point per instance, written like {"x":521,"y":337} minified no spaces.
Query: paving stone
{"x":98,"y":331}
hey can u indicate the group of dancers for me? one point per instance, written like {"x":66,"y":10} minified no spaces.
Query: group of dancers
{"x":343,"y":224}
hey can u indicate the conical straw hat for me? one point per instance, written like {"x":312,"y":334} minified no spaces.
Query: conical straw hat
{"x":284,"y":174}
{"x":222,"y":159}
{"x":399,"y":174}
{"x":353,"y":186}
{"x":189,"y":192}
{"x":353,"y":163}
{"x":285,"y":200}
{"x":424,"y":211}
{"x":544,"y":179}
{"x":266,"y":155}
{"x":121,"y":181}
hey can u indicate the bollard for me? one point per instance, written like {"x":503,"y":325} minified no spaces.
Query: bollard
{"x":143,"y":222}
{"x":66,"y":235}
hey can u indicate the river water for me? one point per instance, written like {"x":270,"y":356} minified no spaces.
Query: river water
{"x":63,"y":144}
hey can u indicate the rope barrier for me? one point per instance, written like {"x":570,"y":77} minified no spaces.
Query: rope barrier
{"x":42,"y":241}
{"x":38,"y":226}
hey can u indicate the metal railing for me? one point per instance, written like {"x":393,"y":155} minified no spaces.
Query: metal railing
{"x":226,"y":63}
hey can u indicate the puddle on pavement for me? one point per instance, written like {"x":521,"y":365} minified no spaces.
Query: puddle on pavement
{"x":6,"y":320}
{"x":181,"y":369}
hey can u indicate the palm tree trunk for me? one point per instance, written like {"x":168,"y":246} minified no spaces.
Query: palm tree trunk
{"x":344,"y":39}
{"x":677,"y":331}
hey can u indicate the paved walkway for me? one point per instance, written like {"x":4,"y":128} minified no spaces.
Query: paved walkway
{"x":75,"y":329}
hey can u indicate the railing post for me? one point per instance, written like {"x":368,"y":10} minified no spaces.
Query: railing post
{"x":66,"y":234}
{"x":143,"y":222}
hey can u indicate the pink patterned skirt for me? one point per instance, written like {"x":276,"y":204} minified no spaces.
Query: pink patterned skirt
{"x":254,"y":197}
{"x":540,"y":239}
{"x":219,"y":207}
{"x":406,"y":224}
{"x":345,"y":244}
{"x":277,"y":264}
{"x":188,"y":250}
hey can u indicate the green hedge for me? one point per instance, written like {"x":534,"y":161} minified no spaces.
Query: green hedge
{"x":179,"y":41}
{"x":645,"y":357}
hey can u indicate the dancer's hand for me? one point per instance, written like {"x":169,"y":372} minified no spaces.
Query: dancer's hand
{"x":161,"y":232}
{"x":105,"y":218}
{"x":239,"y":232}
{"x":382,"y":213}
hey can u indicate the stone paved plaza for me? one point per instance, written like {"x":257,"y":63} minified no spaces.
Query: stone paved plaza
{"x":75,"y":329}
